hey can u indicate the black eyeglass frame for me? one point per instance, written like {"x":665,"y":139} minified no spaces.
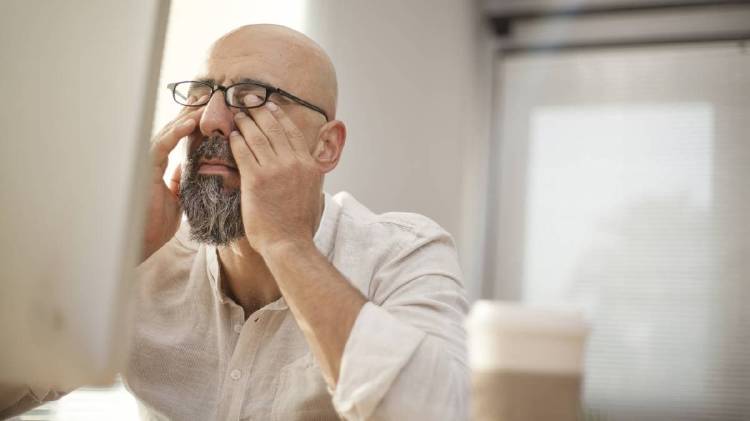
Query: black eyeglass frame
{"x":269,"y":90}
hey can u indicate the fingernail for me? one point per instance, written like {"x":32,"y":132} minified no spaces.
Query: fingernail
{"x":240,"y":115}
{"x":271,"y":106}
{"x":252,"y":99}
{"x":234,"y":133}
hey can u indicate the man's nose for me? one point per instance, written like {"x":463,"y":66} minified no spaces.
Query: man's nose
{"x":217,"y":118}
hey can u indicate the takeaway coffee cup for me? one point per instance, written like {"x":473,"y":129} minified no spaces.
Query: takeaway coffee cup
{"x":526,"y":362}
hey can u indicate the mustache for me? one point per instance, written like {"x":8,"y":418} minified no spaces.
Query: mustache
{"x":215,"y":146}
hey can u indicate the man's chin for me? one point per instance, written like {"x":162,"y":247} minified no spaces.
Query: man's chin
{"x":229,"y":183}
{"x":204,"y":229}
{"x":209,"y":240}
{"x":213,"y":209}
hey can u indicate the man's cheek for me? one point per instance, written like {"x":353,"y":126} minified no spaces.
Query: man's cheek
{"x":193,"y":142}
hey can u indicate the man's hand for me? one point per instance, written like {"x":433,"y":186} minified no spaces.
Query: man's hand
{"x":281,"y":204}
{"x":163,"y":217}
{"x":280,"y":181}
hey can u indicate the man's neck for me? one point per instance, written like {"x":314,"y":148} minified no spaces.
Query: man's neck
{"x":245,"y":277}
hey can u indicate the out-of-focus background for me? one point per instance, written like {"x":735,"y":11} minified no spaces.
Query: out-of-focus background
{"x":588,"y":152}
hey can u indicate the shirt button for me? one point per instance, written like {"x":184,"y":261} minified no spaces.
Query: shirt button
{"x":238,"y":328}
{"x":235,"y":374}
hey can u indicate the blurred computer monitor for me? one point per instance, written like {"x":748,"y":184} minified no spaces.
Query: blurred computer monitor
{"x":77,"y":91}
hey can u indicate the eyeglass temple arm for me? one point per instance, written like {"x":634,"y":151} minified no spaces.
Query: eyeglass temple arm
{"x":302,"y":101}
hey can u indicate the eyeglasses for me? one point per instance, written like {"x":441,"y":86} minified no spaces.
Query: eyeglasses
{"x":188,"y":93}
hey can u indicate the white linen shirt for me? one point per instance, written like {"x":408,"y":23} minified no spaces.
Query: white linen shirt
{"x":197,"y":356}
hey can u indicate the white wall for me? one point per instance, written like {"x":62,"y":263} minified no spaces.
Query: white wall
{"x":414,"y":82}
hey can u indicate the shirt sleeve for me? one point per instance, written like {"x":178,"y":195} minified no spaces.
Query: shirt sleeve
{"x":405,"y":357}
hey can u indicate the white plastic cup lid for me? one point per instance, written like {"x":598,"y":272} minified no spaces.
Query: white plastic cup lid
{"x":516,"y":337}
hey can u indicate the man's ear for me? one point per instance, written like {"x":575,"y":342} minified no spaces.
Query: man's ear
{"x":331,"y":140}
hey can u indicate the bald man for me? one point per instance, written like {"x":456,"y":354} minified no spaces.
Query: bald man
{"x":276,"y":300}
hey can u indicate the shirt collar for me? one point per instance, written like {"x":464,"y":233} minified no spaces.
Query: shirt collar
{"x":324,"y":240}
{"x":326,"y":233}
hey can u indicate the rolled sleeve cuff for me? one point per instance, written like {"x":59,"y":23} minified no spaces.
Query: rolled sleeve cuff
{"x":378,"y":348}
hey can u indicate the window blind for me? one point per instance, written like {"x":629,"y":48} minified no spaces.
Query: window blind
{"x":623,"y":188}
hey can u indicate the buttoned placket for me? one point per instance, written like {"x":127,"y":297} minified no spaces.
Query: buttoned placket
{"x":244,"y":345}
{"x":246,"y":339}
{"x":241,"y":363}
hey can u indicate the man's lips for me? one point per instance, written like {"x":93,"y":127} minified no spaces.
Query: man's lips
{"x":216,"y":166}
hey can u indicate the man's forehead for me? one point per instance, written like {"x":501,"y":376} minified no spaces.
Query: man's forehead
{"x":236,"y":66}
{"x":232,"y":80}
{"x":226,"y":69}
{"x":276,"y":56}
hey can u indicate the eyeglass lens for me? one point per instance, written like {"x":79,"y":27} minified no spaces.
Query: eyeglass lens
{"x":188,"y":93}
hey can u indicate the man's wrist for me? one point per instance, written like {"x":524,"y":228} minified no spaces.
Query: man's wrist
{"x":288,"y":248}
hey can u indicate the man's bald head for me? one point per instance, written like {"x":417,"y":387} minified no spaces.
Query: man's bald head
{"x":279,"y":56}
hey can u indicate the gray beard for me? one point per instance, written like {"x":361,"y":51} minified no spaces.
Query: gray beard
{"x":213,"y":212}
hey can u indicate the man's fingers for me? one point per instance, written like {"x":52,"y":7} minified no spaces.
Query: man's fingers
{"x":171,"y":134}
{"x":254,"y":138}
{"x":164,"y":144}
{"x":174,"y":181}
{"x":241,"y":152}
{"x":267,"y":123}
{"x":296,"y":139}
{"x":183,"y":114}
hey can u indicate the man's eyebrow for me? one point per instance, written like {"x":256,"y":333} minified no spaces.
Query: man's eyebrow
{"x":212,"y":81}
{"x":248,"y":80}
